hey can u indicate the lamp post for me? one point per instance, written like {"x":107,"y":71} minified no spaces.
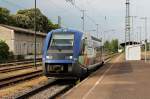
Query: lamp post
{"x":140,"y":35}
{"x":35,"y":35}
{"x":83,"y":20}
{"x":145,"y":19}
{"x":97,"y":29}
{"x":132,"y":18}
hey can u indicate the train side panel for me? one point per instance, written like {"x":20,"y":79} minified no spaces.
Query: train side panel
{"x":91,"y":52}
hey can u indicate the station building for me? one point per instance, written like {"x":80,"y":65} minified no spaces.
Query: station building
{"x":21,"y":41}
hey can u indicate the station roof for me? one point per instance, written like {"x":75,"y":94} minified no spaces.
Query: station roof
{"x":27,"y":31}
{"x":96,"y":39}
{"x":129,"y":43}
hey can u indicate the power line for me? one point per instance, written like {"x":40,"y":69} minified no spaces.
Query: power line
{"x":57,"y":6}
{"x":92,"y":20}
{"x":71,"y":1}
{"x":11,"y":3}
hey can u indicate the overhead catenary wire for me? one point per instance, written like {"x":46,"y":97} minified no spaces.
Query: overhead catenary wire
{"x":13,"y":4}
{"x":91,"y":19}
{"x":62,"y":9}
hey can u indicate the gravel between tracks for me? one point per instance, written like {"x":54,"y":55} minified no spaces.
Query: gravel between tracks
{"x":18,"y":89}
{"x":19,"y":72}
{"x":48,"y":92}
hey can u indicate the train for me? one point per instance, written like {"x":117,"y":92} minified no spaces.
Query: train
{"x":69,"y":53}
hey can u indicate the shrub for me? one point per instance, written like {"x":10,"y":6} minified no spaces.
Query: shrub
{"x":20,"y":57}
{"x":11,"y":55}
{"x":4,"y":51}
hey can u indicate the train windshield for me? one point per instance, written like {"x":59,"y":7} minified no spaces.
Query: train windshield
{"x":62,"y":40}
{"x":61,"y":46}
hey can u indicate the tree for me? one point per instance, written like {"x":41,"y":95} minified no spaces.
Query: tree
{"x":25,"y":19}
{"x":111,"y":46}
{"x":4,"y":15}
{"x":4,"y":50}
{"x":21,"y":21}
{"x":107,"y":46}
{"x":52,"y":26}
{"x":114,"y":45}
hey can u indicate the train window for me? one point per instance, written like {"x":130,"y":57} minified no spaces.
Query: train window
{"x":62,"y":40}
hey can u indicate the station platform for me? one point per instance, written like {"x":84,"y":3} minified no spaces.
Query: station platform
{"x":117,"y":79}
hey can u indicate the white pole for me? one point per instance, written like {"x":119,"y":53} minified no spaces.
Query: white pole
{"x":145,"y":18}
{"x":83,"y":20}
{"x":145,"y":39}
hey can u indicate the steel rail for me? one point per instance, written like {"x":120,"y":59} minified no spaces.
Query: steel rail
{"x":17,"y":78}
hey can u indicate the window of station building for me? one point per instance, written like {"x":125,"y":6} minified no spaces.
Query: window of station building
{"x":19,"y":49}
{"x":16,"y":48}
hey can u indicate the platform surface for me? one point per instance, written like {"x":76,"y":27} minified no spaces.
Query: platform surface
{"x":116,"y":80}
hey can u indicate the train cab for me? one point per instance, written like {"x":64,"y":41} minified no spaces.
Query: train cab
{"x":67,"y":53}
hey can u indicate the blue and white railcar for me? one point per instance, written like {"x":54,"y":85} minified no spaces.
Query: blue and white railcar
{"x":70,"y":53}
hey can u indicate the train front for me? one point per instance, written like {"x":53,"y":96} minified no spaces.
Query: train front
{"x":61,"y":52}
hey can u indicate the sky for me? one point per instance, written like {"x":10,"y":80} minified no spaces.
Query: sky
{"x":109,"y":14}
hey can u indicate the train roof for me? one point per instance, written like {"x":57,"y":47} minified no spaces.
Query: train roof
{"x":77,"y":32}
{"x":67,"y":30}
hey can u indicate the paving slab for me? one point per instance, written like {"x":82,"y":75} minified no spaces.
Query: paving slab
{"x":118,"y":79}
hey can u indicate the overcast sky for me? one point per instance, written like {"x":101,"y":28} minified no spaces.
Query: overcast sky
{"x":114,"y":10}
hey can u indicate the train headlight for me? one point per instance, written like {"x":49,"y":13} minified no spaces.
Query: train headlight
{"x":49,"y":57}
{"x":69,"y":57}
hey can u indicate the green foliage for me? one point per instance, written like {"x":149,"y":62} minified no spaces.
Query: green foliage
{"x":20,"y":57}
{"x":114,"y":45}
{"x":107,"y":46}
{"x":21,"y":21}
{"x":147,"y":46}
{"x":4,"y":15}
{"x":111,"y":46}
{"x":11,"y":55}
{"x":4,"y":51}
{"x":25,"y":19}
{"x":52,"y":26}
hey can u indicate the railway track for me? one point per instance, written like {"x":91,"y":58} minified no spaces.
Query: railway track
{"x":19,"y":67}
{"x":108,"y":57}
{"x":13,"y":79}
{"x":48,"y":91}
{"x":18,"y":63}
{"x":22,"y":77}
{"x":51,"y":90}
{"x":17,"y":78}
